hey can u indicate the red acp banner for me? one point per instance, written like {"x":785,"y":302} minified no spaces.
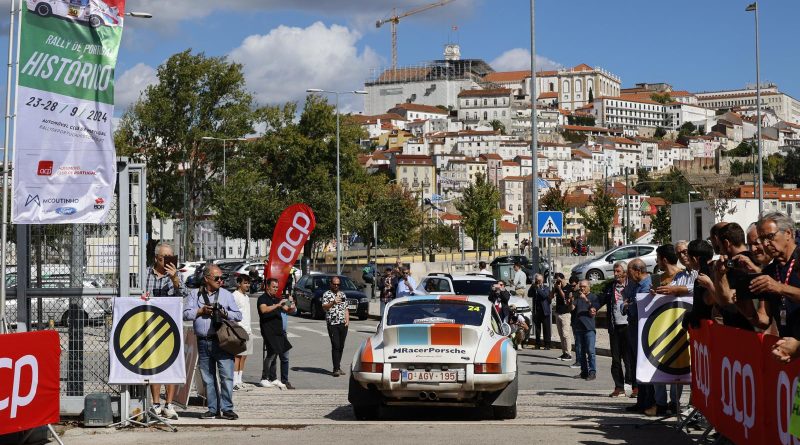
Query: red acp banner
{"x":780,"y":384}
{"x":291,"y":233}
{"x":29,"y":380}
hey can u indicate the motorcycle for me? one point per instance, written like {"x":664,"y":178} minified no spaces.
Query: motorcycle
{"x":582,"y":250}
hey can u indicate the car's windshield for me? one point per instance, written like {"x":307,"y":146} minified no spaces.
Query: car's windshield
{"x":436,"y":311}
{"x":473,"y":287}
{"x":323,"y":282}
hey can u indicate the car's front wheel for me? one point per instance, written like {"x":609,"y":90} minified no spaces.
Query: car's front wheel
{"x":505,"y":412}
{"x":95,"y":21}
{"x":594,"y":275}
{"x":44,"y":10}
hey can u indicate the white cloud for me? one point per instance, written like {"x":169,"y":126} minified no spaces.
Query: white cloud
{"x":132,"y":83}
{"x":519,"y":59}
{"x":281,"y":65}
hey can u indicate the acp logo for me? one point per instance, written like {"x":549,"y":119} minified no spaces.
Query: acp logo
{"x":17,"y":400}
{"x":785,"y":391}
{"x":665,"y":342}
{"x":33,"y":199}
{"x":701,"y":369}
{"x":738,"y":384}
{"x":45,"y":168}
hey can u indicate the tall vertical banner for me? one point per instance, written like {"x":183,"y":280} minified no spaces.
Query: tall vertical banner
{"x":663,"y":346}
{"x":291,"y":233}
{"x":64,"y":157}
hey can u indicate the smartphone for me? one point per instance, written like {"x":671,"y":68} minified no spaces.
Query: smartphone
{"x":171,"y":259}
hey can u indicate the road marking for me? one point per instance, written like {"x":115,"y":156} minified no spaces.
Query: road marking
{"x":302,"y":328}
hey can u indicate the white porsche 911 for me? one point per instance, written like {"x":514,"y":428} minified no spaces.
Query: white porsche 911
{"x":436,"y":351}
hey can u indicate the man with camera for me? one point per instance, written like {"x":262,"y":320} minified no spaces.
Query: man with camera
{"x":164,"y":280}
{"x":562,"y":291}
{"x":500,"y":297}
{"x":518,"y":326}
{"x":405,"y":283}
{"x":207,"y":307}
{"x":270,"y":308}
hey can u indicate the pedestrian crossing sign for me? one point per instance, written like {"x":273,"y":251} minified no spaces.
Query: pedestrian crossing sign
{"x":550,"y":224}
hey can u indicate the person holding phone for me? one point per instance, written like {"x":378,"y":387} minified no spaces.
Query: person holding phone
{"x":337,"y":317}
{"x":406,"y":284}
{"x":270,"y":306}
{"x":164,"y":280}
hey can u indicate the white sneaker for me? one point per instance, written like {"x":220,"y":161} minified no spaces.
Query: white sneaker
{"x":156,"y":409}
{"x":169,"y":413}
{"x":278,"y":384}
{"x":267,"y":384}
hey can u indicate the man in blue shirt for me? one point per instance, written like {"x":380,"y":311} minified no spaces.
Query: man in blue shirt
{"x":586,"y":304}
{"x":200,"y":306}
{"x":406,"y":284}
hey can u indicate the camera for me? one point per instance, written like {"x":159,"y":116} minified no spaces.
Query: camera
{"x":730,"y":264}
{"x":216,"y":314}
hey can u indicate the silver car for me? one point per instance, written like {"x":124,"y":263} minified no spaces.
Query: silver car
{"x":602,"y":266}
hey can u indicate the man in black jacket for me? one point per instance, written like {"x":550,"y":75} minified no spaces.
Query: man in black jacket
{"x":614,"y":300}
{"x":540,"y":297}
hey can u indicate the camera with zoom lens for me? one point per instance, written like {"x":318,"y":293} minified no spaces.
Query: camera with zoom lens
{"x":216,"y":314}
{"x":730,"y":264}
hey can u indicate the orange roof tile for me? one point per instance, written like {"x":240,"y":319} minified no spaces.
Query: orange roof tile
{"x":507,"y":76}
{"x":549,"y":95}
{"x":582,"y":67}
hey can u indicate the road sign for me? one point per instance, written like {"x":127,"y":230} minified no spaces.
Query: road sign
{"x":550,"y":224}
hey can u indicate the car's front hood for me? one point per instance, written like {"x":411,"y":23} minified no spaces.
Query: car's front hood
{"x":425,"y":343}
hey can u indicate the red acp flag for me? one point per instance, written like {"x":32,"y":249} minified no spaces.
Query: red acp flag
{"x":291,"y":233}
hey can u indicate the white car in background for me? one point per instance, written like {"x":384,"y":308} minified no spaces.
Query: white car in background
{"x":443,"y":350}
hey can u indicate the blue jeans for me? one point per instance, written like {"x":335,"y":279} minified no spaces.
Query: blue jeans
{"x":675,"y":392}
{"x":584,"y":349}
{"x":213,"y":360}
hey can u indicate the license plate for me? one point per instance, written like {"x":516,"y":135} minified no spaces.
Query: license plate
{"x":430,"y":376}
{"x":352,"y":306}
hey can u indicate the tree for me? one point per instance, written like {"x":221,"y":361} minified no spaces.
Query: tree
{"x":439,"y":236}
{"x":599,"y":220}
{"x":554,"y":200}
{"x":195,"y":96}
{"x":791,"y":167}
{"x":479,"y":212}
{"x":745,"y":148}
{"x":662,"y":226}
{"x":498,"y":126}
{"x":587,"y":121}
{"x":659,"y":133}
{"x":686,"y":129}
{"x":574,"y":137}
{"x":662,"y":98}
{"x":591,"y":95}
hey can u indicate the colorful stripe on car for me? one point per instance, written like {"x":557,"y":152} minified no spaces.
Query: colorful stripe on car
{"x":437,"y":334}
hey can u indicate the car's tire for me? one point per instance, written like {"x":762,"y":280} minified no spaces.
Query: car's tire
{"x":505,"y":412}
{"x":316,"y":310}
{"x":366,"y":412}
{"x":43,"y":9}
{"x":594,"y":275}
{"x":95,"y":21}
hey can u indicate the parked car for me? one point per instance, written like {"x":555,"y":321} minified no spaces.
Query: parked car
{"x":309,"y":289}
{"x":602,"y":266}
{"x":472,"y":285}
{"x":197,"y":278}
{"x":244,"y":269}
{"x":188,"y":269}
{"x":527,"y":265}
{"x":436,"y":351}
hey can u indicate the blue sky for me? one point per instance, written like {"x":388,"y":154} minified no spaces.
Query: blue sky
{"x":288,"y":46}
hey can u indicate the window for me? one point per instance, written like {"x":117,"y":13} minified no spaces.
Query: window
{"x":565,"y":87}
{"x":230,"y":250}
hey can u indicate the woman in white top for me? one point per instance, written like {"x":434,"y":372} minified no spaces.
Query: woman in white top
{"x":243,"y":301}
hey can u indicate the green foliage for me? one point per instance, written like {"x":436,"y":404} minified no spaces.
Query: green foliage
{"x":439,"y":237}
{"x":741,"y":168}
{"x":673,"y":186}
{"x":478,"y":208}
{"x":600,"y":219}
{"x":591,"y":95}
{"x":687,"y":129}
{"x":586,"y":121}
{"x":574,"y":137}
{"x":744,"y":149}
{"x":553,"y":200}
{"x":662,"y":98}
{"x":195,"y":96}
{"x":660,"y":133}
{"x":791,"y":167}
{"x":498,"y":126}
{"x":662,"y":226}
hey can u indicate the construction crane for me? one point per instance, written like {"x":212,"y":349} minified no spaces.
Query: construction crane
{"x":394,"y":19}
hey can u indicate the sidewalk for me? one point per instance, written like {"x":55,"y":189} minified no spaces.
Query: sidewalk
{"x":602,"y":343}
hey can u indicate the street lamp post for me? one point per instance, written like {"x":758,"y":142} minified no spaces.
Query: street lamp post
{"x":338,"y":175}
{"x":224,"y":154}
{"x":754,"y":8}
{"x":534,"y":148}
{"x":691,"y":192}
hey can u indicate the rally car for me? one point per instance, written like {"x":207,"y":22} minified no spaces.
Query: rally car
{"x":93,"y":12}
{"x":448,"y":350}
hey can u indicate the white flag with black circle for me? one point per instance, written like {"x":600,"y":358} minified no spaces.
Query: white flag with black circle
{"x":146,"y":344}
{"x":662,"y":342}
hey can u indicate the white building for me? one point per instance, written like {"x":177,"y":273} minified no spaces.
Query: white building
{"x":418,"y":112}
{"x":481,"y":107}
{"x":785,"y":106}
{"x":636,"y":115}
{"x":575,"y":85}
{"x":679,"y":113}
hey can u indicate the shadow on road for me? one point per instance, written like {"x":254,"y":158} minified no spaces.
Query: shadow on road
{"x":311,"y":370}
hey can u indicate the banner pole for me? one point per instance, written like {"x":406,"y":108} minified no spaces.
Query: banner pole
{"x":4,"y":236}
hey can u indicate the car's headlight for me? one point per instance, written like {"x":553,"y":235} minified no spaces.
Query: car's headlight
{"x":364,"y":300}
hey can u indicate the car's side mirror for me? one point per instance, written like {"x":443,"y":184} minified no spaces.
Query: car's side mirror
{"x":505,"y":329}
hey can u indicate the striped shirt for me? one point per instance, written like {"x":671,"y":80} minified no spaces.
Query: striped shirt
{"x":162,"y":286}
